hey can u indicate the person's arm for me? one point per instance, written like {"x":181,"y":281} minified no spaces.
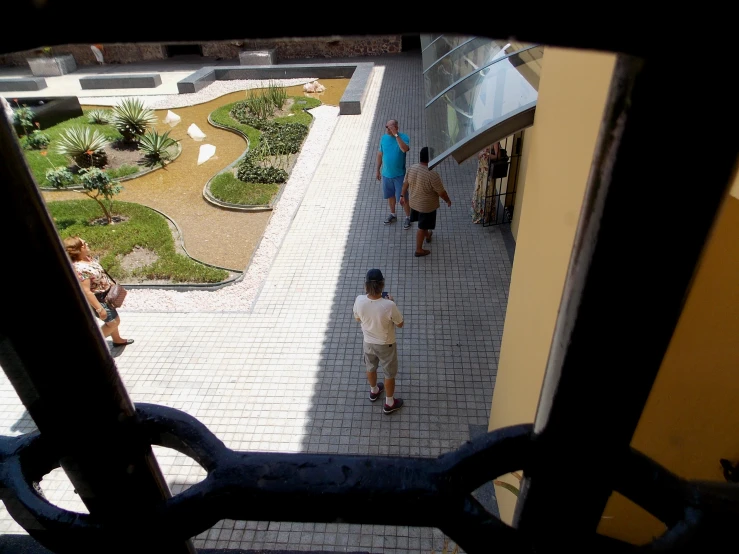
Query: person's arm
{"x":440,"y":190}
{"x":379,"y":164}
{"x":396,"y":317}
{"x":92,"y":299}
{"x":404,"y":191}
{"x":401,"y":143}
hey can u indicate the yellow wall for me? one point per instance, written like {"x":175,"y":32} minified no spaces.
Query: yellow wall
{"x":690,"y":420}
{"x":557,"y":155}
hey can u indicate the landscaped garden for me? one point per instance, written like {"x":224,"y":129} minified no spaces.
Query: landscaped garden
{"x":93,"y":153}
{"x":118,"y":141}
{"x":138,"y":247}
{"x":275,"y":126}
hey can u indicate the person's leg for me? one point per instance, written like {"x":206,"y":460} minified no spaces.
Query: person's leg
{"x":397,"y":189}
{"x":388,"y":192}
{"x":390,"y":386}
{"x":111,"y":328}
{"x":371,"y":362}
{"x":421,"y":236}
{"x":115,"y":334}
{"x":390,"y":367}
{"x":429,"y":224}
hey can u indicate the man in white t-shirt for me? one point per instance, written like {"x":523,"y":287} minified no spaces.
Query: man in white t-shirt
{"x":379,"y":316}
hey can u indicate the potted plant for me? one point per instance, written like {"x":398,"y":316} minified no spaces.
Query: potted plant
{"x":46,"y":64}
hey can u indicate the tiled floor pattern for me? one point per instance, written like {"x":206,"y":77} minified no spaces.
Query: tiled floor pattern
{"x":288,"y":377}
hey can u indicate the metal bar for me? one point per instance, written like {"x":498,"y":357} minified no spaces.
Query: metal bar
{"x":64,"y":374}
{"x":625,"y":287}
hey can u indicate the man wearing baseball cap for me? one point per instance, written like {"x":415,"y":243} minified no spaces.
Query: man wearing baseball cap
{"x":379,"y":316}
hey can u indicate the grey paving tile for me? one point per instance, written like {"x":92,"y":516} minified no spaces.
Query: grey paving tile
{"x":288,"y":376}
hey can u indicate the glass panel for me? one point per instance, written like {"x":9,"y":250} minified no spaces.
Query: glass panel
{"x":428,"y":39}
{"x":483,"y":99}
{"x":466,"y":58}
{"x":441,"y":46}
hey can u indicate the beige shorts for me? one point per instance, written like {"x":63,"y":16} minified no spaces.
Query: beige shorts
{"x":385,"y":355}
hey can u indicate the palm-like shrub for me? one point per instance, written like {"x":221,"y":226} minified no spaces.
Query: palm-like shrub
{"x":99,"y":117}
{"x":84,"y":145}
{"x":156,"y":147}
{"x":132,"y":119}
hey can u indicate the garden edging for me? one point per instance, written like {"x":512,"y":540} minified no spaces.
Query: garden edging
{"x":208,"y":196}
{"x":184,"y":287}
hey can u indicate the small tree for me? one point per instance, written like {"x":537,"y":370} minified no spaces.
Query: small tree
{"x":96,"y":184}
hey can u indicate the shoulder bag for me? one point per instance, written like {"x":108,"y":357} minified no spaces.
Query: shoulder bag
{"x":116,"y":293}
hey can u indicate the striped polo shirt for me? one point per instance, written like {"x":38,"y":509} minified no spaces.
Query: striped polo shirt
{"x":424,"y":188}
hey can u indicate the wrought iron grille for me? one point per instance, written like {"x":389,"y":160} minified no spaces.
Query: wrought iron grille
{"x":500,"y":189}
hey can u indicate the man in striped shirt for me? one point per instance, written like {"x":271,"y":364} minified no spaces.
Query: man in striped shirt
{"x":425,"y":188}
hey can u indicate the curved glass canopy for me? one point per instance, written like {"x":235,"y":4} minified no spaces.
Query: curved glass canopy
{"x":478,"y":92}
{"x":438,"y":47}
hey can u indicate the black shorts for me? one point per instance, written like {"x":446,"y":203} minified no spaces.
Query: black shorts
{"x":426,"y":220}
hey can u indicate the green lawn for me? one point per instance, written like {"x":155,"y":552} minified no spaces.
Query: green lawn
{"x":226,"y":186}
{"x":144,"y":227}
{"x":39,"y":163}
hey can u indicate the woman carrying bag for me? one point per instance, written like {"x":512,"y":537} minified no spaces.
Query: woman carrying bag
{"x":95,"y":283}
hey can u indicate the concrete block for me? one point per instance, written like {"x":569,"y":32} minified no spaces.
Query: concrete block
{"x":258,"y":57}
{"x":144,"y":80}
{"x":52,"y":66}
{"x":27,"y":83}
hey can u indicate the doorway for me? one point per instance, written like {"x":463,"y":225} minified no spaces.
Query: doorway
{"x":183,"y":50}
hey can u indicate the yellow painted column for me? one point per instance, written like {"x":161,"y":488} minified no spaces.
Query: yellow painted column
{"x":556,"y":161}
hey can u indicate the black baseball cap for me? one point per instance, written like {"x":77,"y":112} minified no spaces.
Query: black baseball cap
{"x":374,"y":275}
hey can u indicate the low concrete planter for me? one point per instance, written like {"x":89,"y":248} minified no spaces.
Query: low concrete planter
{"x":52,"y":66}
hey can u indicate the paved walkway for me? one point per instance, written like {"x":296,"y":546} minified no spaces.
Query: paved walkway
{"x":287,"y":375}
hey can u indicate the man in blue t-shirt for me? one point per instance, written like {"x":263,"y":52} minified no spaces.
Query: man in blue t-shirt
{"x":391,"y":169}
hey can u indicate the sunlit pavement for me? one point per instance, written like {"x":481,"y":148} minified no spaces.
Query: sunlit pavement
{"x":288,"y":375}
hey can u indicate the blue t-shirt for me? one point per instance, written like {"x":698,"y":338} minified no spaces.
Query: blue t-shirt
{"x":393,"y":158}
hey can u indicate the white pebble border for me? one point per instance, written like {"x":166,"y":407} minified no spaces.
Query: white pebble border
{"x":240,"y":296}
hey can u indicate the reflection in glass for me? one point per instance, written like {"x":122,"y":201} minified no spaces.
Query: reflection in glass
{"x":466,"y":58}
{"x":428,"y":39}
{"x":439,"y":47}
{"x":487,"y":97}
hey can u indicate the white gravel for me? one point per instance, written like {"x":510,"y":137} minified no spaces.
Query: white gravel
{"x":240,"y":296}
